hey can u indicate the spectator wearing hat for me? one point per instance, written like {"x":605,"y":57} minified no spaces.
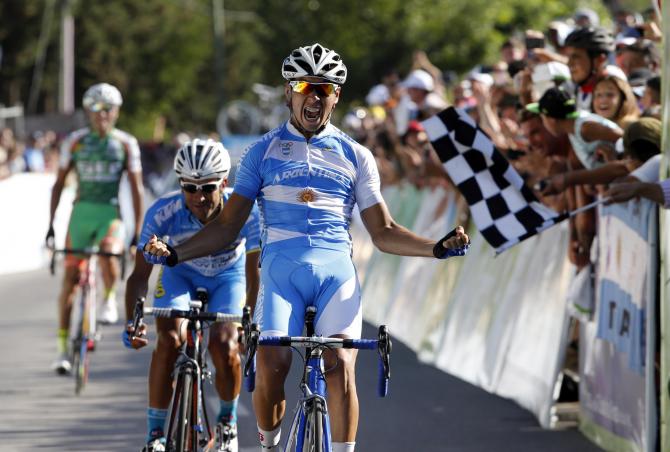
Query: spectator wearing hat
{"x":637,"y":80}
{"x":640,"y":54}
{"x":586,"y":17}
{"x":586,"y":131}
{"x":643,"y":182}
{"x":641,"y":159}
{"x":420,"y":89}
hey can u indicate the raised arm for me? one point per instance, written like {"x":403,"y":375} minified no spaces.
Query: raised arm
{"x":214,"y":236}
{"x":390,"y":237}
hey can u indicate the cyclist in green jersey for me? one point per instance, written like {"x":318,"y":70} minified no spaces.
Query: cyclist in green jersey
{"x":99,"y":154}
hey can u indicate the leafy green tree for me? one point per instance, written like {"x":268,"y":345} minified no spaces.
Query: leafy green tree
{"x":162,"y":53}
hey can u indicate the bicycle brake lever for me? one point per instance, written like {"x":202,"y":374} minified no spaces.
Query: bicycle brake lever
{"x":138,"y":315}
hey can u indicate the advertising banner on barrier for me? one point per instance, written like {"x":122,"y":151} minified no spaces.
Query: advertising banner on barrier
{"x":616,"y":366}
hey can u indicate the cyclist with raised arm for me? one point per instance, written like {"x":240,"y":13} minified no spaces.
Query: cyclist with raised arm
{"x":229,"y":274}
{"x":307,"y":176}
{"x":99,"y":155}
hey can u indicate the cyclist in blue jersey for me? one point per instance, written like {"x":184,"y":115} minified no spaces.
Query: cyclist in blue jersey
{"x":202,"y":167}
{"x":307,"y":176}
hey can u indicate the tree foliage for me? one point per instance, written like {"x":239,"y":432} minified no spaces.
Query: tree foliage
{"x":162,"y":53}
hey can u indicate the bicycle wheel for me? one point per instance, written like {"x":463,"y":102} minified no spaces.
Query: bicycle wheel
{"x":314,"y":427}
{"x":184,"y":412}
{"x":80,"y":355}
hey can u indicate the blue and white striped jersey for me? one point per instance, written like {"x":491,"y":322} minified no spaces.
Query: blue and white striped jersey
{"x":306,"y":190}
{"x":168,"y":216}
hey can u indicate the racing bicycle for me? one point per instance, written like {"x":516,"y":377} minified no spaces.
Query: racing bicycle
{"x":310,"y":429}
{"x":87,"y":334}
{"x":188,"y":426}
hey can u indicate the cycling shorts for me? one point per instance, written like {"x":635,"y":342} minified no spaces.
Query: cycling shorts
{"x":227,"y":291}
{"x":294,"y":278}
{"x":90,"y":223}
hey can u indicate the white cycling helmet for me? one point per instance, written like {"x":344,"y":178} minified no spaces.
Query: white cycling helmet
{"x":202,"y":159}
{"x":102,"y":93}
{"x":314,"y":61}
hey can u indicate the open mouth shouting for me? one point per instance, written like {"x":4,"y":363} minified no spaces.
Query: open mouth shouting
{"x":312,"y":115}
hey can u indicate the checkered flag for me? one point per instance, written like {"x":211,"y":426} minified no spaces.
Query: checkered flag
{"x":504,"y":209}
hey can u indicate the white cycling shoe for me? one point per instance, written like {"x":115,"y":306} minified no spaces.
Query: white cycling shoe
{"x":226,"y":437}
{"x":156,"y":445}
{"x":62,"y":364}
{"x":109,"y":314}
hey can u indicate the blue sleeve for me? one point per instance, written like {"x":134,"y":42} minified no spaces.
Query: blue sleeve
{"x":248,"y":176}
{"x":152,"y":223}
{"x":252,"y":230}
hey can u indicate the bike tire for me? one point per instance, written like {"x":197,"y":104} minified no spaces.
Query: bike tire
{"x":183,"y":422}
{"x":314,"y":428}
{"x":81,"y":365}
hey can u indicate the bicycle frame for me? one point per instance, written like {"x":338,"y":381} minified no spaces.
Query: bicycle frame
{"x":313,"y":389}
{"x":190,"y":367}
{"x":313,"y":385}
{"x":87,"y":321}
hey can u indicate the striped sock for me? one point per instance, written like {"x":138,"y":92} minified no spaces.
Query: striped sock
{"x":155,"y":423}
{"x":61,"y":341}
{"x":228,"y":411}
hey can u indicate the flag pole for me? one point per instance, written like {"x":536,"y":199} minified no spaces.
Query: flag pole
{"x":565,"y":216}
{"x":587,"y":207}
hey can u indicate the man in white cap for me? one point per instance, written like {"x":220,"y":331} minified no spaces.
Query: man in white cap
{"x":420,"y":88}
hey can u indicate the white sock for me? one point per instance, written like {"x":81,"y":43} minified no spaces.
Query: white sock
{"x":269,"y":439}
{"x":344,"y":447}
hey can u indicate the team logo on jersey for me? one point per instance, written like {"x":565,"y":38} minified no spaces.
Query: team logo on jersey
{"x":286,"y":148}
{"x":307,"y":195}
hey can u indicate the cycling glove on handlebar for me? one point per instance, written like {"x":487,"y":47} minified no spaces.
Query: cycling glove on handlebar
{"x":440,"y":252}
{"x":125,"y":336}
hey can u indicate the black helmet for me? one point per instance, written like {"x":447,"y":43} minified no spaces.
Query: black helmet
{"x":591,"y":39}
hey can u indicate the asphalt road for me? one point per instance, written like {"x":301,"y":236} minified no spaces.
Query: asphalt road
{"x":426,"y":408}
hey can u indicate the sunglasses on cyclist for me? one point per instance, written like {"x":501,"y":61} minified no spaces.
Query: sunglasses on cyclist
{"x":322,"y":89}
{"x":101,"y":106}
{"x":205,"y":188}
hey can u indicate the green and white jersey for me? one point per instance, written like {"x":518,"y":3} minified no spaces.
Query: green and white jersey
{"x":100,"y":162}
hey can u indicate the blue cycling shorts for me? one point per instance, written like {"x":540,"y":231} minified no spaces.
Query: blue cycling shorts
{"x":227,"y":291}
{"x":294,"y":278}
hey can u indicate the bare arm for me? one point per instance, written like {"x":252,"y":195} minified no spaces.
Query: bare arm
{"x":137,"y":284}
{"x":220,"y":233}
{"x":137,"y":191}
{"x":594,"y":131}
{"x":390,"y":237}
{"x":56,"y":191}
{"x":602,"y":175}
{"x":627,"y":191}
{"x":253,"y":276}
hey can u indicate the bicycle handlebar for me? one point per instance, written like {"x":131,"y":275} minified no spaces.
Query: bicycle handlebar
{"x":191,"y":315}
{"x":383,"y":344}
{"x":88,"y":252}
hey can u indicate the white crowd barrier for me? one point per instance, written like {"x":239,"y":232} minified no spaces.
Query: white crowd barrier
{"x":24,"y":200}
{"x":501,"y":323}
{"x":617,"y":348}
